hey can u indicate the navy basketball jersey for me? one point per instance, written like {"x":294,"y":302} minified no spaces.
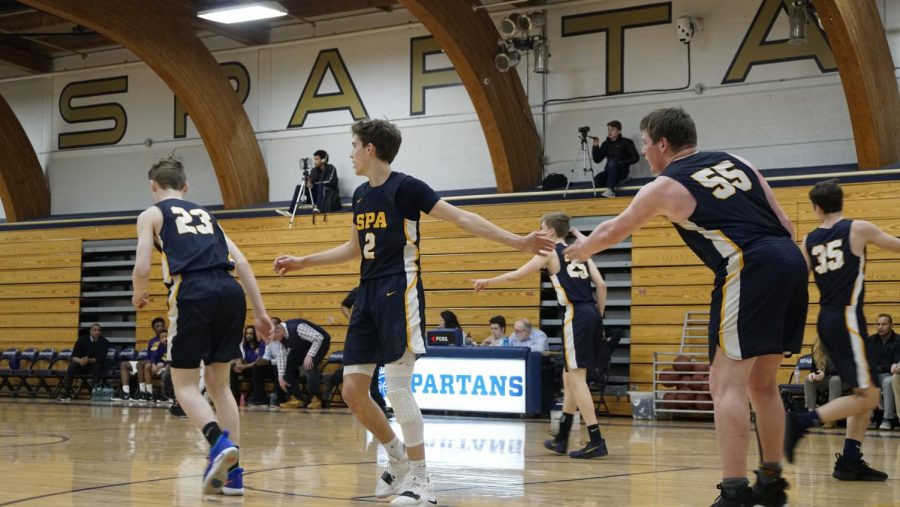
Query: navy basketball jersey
{"x":732,"y":210}
{"x":573,"y":282}
{"x":388,"y":242}
{"x":838,"y":272}
{"x":190,"y":239}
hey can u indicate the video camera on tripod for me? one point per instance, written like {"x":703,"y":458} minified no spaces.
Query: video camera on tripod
{"x":583,"y":160}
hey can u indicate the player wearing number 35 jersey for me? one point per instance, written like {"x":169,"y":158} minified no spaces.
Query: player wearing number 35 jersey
{"x":727,"y":214}
{"x":836,"y":253}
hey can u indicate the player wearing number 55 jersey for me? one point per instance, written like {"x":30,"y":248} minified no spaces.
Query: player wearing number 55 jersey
{"x":727,"y":214}
{"x":582,"y":330}
{"x":207,"y":310}
{"x":836,"y":253}
{"x":387,"y":322}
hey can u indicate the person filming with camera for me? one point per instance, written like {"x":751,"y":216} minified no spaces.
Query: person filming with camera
{"x":619,"y":153}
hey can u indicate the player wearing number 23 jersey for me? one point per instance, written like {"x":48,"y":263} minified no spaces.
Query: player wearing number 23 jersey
{"x":759,"y":300}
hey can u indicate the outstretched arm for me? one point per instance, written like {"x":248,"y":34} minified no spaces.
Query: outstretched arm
{"x":872,"y":234}
{"x":649,"y":202}
{"x":342,"y":253}
{"x":536,"y":263}
{"x":479,"y":226}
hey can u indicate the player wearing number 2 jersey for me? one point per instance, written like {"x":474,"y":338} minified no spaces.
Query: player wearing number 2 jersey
{"x":582,"y":330}
{"x":836,"y":254}
{"x":206,"y":313}
{"x":387,"y":322}
{"x":727,"y":214}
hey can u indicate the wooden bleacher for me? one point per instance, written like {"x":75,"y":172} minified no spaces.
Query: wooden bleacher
{"x":40,"y":272}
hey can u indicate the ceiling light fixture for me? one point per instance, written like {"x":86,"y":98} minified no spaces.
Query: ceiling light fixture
{"x":244,"y":12}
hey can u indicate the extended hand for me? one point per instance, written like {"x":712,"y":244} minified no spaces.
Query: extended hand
{"x":286,"y":263}
{"x":264,"y":327}
{"x":537,"y":243}
{"x":140,"y":301}
{"x":578,"y":251}
{"x":480,"y":284}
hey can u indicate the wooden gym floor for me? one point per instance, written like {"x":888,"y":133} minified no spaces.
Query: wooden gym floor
{"x":82,"y":455}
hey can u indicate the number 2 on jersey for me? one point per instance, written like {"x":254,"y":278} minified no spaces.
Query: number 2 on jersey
{"x":369,"y":247}
{"x":723,"y":178}
{"x":829,"y":255}
{"x":184,"y":219}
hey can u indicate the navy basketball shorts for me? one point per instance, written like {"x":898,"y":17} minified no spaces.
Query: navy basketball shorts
{"x":841,"y":331}
{"x":207,"y":311}
{"x":759,"y":303}
{"x":582,"y":335}
{"x":388,"y":318}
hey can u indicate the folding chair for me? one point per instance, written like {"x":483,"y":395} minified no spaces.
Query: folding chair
{"x":599,"y":377}
{"x":792,"y":393}
{"x":9,"y":361}
{"x":23,"y":370}
{"x":332,"y":377}
{"x":40,"y":372}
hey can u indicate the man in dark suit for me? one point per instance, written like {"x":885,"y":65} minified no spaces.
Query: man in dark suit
{"x":88,"y":357}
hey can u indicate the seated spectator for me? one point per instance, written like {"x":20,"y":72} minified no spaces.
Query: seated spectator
{"x":524,"y":335}
{"x":823,"y":376}
{"x":154,"y":367}
{"x":498,"y":331}
{"x":88,"y":358}
{"x":243,"y":366}
{"x":272,"y":361}
{"x":884,"y":348}
{"x":129,"y":369}
{"x":307,"y":345}
{"x":449,"y":321}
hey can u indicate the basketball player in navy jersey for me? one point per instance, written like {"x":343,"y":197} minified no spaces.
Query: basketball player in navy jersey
{"x":206,"y":313}
{"x":727,"y":214}
{"x":836,"y":254}
{"x":582,"y":330}
{"x":388,"y":321}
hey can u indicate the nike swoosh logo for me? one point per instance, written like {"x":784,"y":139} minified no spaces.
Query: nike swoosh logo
{"x":391,"y":293}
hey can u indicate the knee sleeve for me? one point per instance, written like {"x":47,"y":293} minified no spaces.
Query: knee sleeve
{"x":398,"y":377}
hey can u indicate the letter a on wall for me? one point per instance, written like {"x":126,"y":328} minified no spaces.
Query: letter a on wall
{"x":755,"y":49}
{"x":311,"y":101}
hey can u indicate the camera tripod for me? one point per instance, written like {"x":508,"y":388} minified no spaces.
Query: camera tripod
{"x":301,"y":196}
{"x":587,"y":166}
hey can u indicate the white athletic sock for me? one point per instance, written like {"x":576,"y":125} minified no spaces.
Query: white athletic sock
{"x":417,"y":468}
{"x":395,"y":448}
{"x":126,"y":389}
{"x":142,"y":387}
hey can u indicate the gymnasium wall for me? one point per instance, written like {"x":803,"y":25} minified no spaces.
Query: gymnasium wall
{"x":787,"y":109}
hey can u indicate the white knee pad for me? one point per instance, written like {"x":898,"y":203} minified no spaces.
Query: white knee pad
{"x":398,"y":379}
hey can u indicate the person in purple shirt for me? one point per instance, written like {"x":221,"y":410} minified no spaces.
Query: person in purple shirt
{"x":129,"y":369}
{"x":155,"y":365}
{"x":251,"y":350}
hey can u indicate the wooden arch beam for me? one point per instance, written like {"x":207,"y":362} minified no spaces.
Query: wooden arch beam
{"x":470,"y":40}
{"x":23,"y":189}
{"x":165,"y":41}
{"x":860,"y":47}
